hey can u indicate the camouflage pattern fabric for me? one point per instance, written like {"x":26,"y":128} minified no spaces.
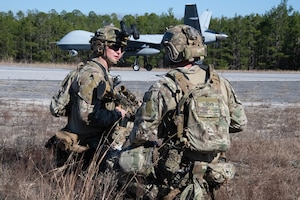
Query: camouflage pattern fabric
{"x":92,"y":111}
{"x":111,"y":34}
{"x":159,"y":101}
{"x":219,"y":173}
{"x":91,"y":114}
{"x":154,"y":120}
{"x":183,"y":42}
{"x":60,"y":102}
{"x":107,"y":36}
{"x":203,"y":122}
{"x":137,"y":160}
{"x":120,"y":135}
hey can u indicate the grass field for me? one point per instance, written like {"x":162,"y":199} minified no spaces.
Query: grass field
{"x":266,"y":155}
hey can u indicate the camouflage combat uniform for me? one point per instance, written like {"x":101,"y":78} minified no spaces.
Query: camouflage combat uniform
{"x":92,"y":113}
{"x":159,"y":101}
{"x":93,"y":105}
{"x":155,"y":121}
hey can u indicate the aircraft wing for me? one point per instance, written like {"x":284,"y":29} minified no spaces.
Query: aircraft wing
{"x":76,"y":40}
{"x":148,"y":38}
{"x":147,"y":44}
{"x":79,"y":40}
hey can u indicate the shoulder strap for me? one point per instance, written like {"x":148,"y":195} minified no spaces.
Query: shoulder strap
{"x":207,"y":69}
{"x":109,"y":88}
{"x":211,"y":75}
{"x":102,"y":68}
{"x":186,"y":86}
{"x":215,"y":80}
{"x":183,"y":82}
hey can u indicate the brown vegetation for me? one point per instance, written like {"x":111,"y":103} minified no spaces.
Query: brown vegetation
{"x":266,"y":155}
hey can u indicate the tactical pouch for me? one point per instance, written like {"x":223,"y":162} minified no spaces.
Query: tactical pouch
{"x":137,"y":160}
{"x":219,"y":173}
{"x":119,"y":137}
{"x":67,"y":141}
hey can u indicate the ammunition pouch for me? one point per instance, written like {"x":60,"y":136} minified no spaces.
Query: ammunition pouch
{"x":119,"y":137}
{"x":138,"y":160}
{"x":219,"y":173}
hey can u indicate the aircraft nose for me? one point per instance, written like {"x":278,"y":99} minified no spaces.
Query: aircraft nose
{"x":221,"y":36}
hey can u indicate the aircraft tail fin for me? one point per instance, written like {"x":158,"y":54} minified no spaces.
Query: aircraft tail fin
{"x":205,"y":20}
{"x":191,"y":18}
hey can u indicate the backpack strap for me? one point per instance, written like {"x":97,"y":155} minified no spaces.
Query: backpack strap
{"x":104,"y":71}
{"x":180,"y":80}
{"x":108,"y":86}
{"x":215,"y":80}
{"x":211,"y":76}
{"x":183,"y":82}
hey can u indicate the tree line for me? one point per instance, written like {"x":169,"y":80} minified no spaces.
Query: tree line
{"x":256,"y":42}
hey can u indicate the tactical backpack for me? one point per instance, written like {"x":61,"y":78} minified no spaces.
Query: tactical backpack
{"x":202,"y":117}
{"x":60,"y":102}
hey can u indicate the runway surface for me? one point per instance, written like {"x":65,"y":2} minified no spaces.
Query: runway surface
{"x":34,"y":83}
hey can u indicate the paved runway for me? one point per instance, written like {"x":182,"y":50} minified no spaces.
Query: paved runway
{"x":43,"y":73}
{"x":34,"y":83}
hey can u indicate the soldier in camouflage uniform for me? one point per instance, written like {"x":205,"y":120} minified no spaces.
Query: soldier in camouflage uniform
{"x":154,"y":123}
{"x":93,"y":113}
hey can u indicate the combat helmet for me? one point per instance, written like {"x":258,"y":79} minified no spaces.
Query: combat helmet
{"x":107,"y":36}
{"x":183,"y":42}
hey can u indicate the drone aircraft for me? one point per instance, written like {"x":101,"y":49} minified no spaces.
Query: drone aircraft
{"x":146,"y":44}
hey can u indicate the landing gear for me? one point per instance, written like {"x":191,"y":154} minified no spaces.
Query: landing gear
{"x":148,"y":67}
{"x":136,"y":66}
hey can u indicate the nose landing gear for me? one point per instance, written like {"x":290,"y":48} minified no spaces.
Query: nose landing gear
{"x":136,"y":66}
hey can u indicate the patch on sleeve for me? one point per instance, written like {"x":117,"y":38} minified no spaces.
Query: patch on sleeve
{"x":148,"y":104}
{"x":87,"y":87}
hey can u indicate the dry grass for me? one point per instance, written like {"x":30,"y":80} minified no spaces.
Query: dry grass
{"x":27,"y":168}
{"x":266,"y":156}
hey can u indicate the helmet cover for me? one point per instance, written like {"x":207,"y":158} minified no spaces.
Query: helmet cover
{"x":183,"y":42}
{"x":107,"y":36}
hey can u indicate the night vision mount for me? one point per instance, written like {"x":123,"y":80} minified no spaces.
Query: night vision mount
{"x":126,"y":32}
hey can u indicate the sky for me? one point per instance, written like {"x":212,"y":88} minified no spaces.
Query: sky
{"x":219,"y":8}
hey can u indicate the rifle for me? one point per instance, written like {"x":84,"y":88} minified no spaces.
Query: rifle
{"x":128,"y":101}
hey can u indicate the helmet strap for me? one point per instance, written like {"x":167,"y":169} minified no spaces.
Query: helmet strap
{"x":173,"y":54}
